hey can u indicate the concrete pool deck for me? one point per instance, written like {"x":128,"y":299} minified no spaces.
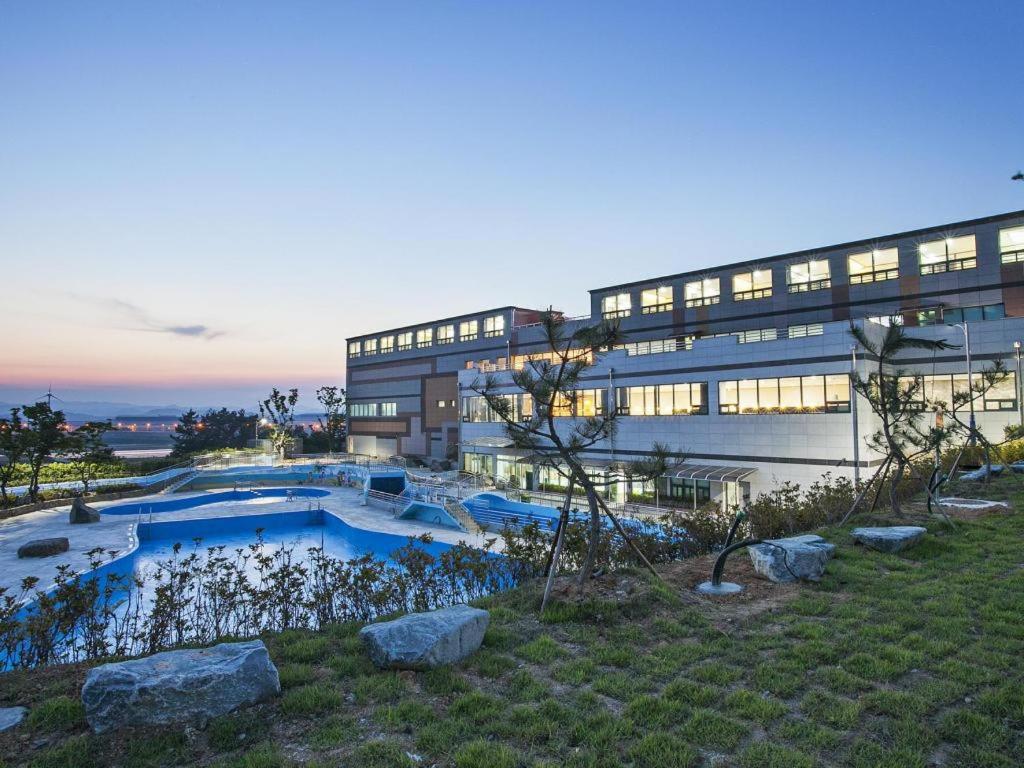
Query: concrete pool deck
{"x":116,"y":532}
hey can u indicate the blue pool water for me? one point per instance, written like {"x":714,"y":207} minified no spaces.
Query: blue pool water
{"x":294,"y":473}
{"x":190,"y":502}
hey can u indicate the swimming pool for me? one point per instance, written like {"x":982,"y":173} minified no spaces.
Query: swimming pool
{"x":262,"y":495}
{"x":249,"y":475}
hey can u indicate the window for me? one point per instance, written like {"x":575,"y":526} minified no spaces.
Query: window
{"x":656,"y":299}
{"x":687,"y":399}
{"x":362,"y":409}
{"x":703,"y":293}
{"x":657,"y":346}
{"x":369,"y":347}
{"x":802,"y":331}
{"x":874,"y":266}
{"x":618,"y":305}
{"x":468,"y":330}
{"x":929,"y":316}
{"x":949,"y":255}
{"x":424,"y":337}
{"x":387,"y":344}
{"x":355,"y":348}
{"x":389,"y":409}
{"x":494,"y":326}
{"x":974,"y":314}
{"x":752,"y":285}
{"x":404,"y":341}
{"x":758,"y":334}
{"x":476,"y":408}
{"x":1011,"y":245}
{"x":441,"y":403}
{"x":790,"y":394}
{"x":809,"y":276}
{"x":936,"y":390}
{"x":583,"y":403}
{"x":446,"y":334}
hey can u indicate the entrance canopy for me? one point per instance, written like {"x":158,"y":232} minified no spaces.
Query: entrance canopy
{"x":488,"y":441}
{"x":718,"y":472}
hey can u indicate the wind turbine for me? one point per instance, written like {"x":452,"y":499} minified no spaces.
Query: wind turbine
{"x":50,"y":397}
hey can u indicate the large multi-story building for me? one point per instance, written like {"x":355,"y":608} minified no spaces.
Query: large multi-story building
{"x":744,"y":369}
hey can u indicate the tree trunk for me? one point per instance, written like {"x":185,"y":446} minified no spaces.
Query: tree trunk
{"x":563,"y":522}
{"x":595,"y":534}
{"x":894,"y":483}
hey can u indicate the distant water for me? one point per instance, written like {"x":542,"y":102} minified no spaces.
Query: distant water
{"x":143,"y":453}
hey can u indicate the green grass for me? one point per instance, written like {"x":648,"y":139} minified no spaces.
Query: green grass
{"x":888,"y":662}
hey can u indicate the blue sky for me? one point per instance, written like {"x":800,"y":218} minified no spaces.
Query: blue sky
{"x":200,"y":201}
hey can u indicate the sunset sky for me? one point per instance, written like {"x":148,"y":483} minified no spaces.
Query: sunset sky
{"x":199,"y":201}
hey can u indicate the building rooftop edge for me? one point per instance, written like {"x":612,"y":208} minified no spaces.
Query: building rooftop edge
{"x":453,"y":318}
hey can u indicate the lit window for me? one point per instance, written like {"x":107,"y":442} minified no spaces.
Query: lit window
{"x":618,"y":305}
{"x":494,"y":326}
{"x":1011,"y":245}
{"x":369,"y":347}
{"x":702,"y":293}
{"x":424,"y":337}
{"x":446,"y":334}
{"x":809,"y":276}
{"x":937,"y":390}
{"x":752,"y":285}
{"x":362,"y":410}
{"x":355,"y":348}
{"x":656,"y":299}
{"x":389,"y":409}
{"x":790,"y":394}
{"x":930,"y":316}
{"x":468,"y":330}
{"x":404,"y":341}
{"x":949,"y":255}
{"x":802,"y":331}
{"x":687,"y":399}
{"x":387,"y":344}
{"x":874,"y":266}
{"x":441,"y":403}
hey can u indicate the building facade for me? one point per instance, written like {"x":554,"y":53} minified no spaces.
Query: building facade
{"x":743,"y":370}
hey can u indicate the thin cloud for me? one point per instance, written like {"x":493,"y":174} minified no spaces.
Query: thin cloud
{"x":142,"y":320}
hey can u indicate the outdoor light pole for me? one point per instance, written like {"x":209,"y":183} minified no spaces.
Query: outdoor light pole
{"x":853,"y":414}
{"x":1020,"y":403}
{"x":967,"y":352}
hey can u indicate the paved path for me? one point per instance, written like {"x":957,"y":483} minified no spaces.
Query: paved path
{"x":113,"y":532}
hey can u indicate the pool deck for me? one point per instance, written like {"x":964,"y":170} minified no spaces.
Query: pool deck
{"x":114,"y":532}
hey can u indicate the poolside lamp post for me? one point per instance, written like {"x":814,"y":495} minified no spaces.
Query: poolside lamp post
{"x":1020,"y":403}
{"x":967,"y":353}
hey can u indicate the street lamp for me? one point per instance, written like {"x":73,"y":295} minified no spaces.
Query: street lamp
{"x":1020,"y":403}
{"x":967,"y":352}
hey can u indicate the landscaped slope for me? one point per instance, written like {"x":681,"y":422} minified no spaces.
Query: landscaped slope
{"x":906,"y":660}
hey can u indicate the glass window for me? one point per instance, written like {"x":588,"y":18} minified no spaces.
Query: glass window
{"x":387,"y":344}
{"x":791,"y":394}
{"x":662,"y":400}
{"x":752,"y":285}
{"x":809,"y":276}
{"x":494,"y":326}
{"x":702,"y":293}
{"x":388,"y":409}
{"x":424,"y":337}
{"x":948,"y":255}
{"x":1011,"y":245}
{"x":468,"y":330}
{"x":362,"y":410}
{"x":874,"y":266}
{"x":937,"y":390}
{"x":369,"y":347}
{"x":404,"y":341}
{"x":802,"y":331}
{"x":446,"y":334}
{"x":928,"y":316}
{"x":355,"y":348}
{"x":656,"y":299}
{"x":617,"y":305}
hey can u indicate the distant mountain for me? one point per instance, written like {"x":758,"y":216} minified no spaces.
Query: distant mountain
{"x":85,"y":410}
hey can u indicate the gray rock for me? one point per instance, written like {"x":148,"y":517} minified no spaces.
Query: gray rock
{"x":793,"y":558}
{"x":189,"y":686}
{"x":43,"y":547}
{"x":892,"y":538}
{"x":82,"y":512}
{"x":426,"y":640}
{"x":11,"y":716}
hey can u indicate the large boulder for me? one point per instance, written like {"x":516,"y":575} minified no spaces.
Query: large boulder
{"x":190,"y":686}
{"x":11,"y":716}
{"x":82,"y":512}
{"x":791,"y":559}
{"x":43,"y":547}
{"x":426,"y":640}
{"x":891,"y":538}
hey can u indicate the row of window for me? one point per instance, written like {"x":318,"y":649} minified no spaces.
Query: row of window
{"x":934,"y":257}
{"x":659,"y":346}
{"x":468,"y":330}
{"x":939,"y":388}
{"x":787,"y":394}
{"x":372,"y":409}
